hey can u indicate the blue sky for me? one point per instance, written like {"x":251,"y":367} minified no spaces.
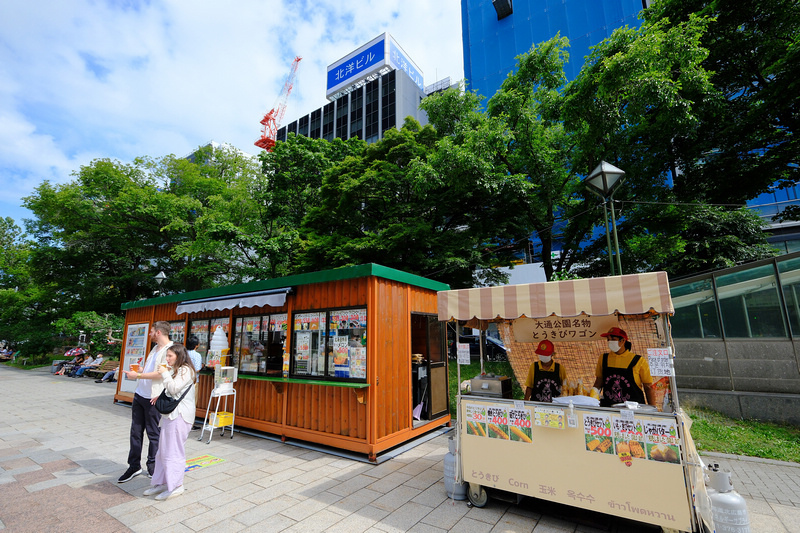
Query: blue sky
{"x":119,"y":79}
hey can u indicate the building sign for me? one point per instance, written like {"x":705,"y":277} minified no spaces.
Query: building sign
{"x":400,"y":62}
{"x":377,"y":56}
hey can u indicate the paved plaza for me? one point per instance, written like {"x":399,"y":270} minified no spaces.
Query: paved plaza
{"x":64,"y":443}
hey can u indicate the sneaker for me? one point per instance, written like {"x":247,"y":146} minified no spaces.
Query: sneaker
{"x":129,"y":474}
{"x":168,"y":494}
{"x":158,"y":489}
{"x":98,"y":381}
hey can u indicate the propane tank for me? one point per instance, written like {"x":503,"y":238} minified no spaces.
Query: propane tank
{"x":728,"y":508}
{"x":456,"y":491}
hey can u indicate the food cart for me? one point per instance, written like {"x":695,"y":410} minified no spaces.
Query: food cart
{"x":636,"y":462}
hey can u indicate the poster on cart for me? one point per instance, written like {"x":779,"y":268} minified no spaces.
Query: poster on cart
{"x":476,"y":419}
{"x":662,"y":441}
{"x":136,"y":347}
{"x":597,"y":433}
{"x":628,"y":437}
{"x":519,"y":424}
{"x":497,"y":422}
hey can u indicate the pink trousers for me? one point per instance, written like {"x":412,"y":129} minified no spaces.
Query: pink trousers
{"x":171,"y":457}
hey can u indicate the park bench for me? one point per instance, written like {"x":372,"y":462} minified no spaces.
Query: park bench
{"x":106,"y":366}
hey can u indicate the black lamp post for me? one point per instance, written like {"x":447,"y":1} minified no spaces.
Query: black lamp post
{"x":603,"y":181}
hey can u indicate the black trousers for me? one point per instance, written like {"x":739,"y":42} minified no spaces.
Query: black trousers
{"x":144,"y":417}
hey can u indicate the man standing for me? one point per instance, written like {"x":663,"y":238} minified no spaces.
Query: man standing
{"x":144,"y":416}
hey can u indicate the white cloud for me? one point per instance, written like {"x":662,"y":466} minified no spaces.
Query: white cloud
{"x":83,"y":79}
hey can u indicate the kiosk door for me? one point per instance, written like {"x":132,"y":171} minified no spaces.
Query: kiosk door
{"x":428,"y":368}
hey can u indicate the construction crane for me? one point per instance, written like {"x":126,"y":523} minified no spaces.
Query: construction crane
{"x":272,"y":120}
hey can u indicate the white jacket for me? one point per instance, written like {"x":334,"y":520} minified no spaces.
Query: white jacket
{"x":177,"y":386}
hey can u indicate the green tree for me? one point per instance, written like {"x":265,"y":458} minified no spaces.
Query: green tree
{"x":418,"y":202}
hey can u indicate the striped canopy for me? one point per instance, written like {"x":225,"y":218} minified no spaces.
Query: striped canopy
{"x":629,"y":295}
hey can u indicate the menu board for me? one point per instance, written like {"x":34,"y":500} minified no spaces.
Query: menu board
{"x":303,"y":351}
{"x":628,"y":435}
{"x":349,"y":319}
{"x":659,"y":360}
{"x":358,"y":362}
{"x":309,"y":321}
{"x":135,"y":352}
{"x":278,"y":322}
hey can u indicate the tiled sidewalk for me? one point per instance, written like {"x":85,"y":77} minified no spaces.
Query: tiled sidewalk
{"x":63,"y":443}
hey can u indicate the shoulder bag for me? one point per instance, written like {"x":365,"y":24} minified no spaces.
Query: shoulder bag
{"x":166,"y":404}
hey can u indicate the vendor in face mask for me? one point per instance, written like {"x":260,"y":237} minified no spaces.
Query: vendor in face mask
{"x":622,"y":375}
{"x":545,"y":376}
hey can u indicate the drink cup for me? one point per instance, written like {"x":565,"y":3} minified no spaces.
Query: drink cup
{"x":162,"y":368}
{"x":134,"y":367}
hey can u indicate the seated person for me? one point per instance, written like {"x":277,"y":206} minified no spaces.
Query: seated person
{"x":87,"y":366}
{"x":89,"y":362}
{"x":68,"y":364}
{"x":110,"y":376}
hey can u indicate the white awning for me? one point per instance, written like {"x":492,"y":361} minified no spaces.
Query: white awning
{"x":271,"y":298}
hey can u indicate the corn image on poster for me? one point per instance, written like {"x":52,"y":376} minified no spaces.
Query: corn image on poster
{"x":597,"y":433}
{"x":476,"y":419}
{"x":519,"y":425}
{"x":628,"y":437}
{"x":497,"y":422}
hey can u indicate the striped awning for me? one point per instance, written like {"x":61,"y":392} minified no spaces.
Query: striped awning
{"x":629,"y":295}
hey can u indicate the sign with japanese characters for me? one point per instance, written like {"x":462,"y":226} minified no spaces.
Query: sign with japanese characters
{"x":497,"y":422}
{"x":519,"y":424}
{"x":662,"y":441}
{"x":628,"y":435}
{"x":559,"y":329}
{"x":659,"y":360}
{"x":597,"y":432}
{"x":475,"y":415}
{"x":549,"y":417}
{"x":399,"y":60}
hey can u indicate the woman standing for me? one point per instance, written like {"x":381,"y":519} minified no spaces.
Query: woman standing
{"x":171,"y":457}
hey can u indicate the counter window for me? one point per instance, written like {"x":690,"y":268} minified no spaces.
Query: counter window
{"x":330,"y":344}
{"x":258,"y":344}
{"x":214,"y":339}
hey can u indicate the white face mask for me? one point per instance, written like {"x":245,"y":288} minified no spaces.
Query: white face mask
{"x":613,"y":346}
{"x":545,"y":358}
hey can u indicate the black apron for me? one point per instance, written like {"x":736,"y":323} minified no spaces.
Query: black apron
{"x":546,"y":385}
{"x":619,"y":384}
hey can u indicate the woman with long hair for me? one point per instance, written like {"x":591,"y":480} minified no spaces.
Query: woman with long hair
{"x":178,"y":377}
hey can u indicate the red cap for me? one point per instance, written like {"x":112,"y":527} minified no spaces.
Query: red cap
{"x":615,"y":332}
{"x":545,"y":348}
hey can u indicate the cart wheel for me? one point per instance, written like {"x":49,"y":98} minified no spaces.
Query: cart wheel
{"x":477,"y":495}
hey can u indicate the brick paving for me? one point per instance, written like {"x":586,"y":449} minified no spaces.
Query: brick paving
{"x":63,"y":444}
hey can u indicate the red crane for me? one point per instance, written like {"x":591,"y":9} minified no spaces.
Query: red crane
{"x":272,"y":120}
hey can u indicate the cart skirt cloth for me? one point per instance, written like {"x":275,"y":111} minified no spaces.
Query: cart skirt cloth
{"x":171,"y":456}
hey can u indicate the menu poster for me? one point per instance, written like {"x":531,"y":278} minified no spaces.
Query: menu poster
{"x":497,"y":422}
{"x":662,"y":441}
{"x":597,"y":433}
{"x":358,"y":362}
{"x":549,"y":417}
{"x":519,"y":425}
{"x":476,"y":419}
{"x":303,"y":340}
{"x":278,"y":322}
{"x":135,"y":351}
{"x":349,"y":319}
{"x":628,"y":437}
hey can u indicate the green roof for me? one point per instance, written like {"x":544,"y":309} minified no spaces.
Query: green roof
{"x":337,"y":274}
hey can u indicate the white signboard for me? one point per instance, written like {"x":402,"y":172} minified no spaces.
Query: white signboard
{"x":559,"y":329}
{"x":463,"y":353}
{"x":659,"y":360}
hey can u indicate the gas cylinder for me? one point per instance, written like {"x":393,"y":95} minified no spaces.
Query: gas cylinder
{"x":728,"y":507}
{"x":456,"y":491}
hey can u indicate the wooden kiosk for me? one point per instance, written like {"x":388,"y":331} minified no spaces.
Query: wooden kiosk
{"x":340,"y":358}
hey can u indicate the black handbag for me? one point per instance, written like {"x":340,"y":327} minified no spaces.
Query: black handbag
{"x":166,"y":404}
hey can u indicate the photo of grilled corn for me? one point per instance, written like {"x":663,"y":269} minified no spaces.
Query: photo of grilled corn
{"x":520,"y":434}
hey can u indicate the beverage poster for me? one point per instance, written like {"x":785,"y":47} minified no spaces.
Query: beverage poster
{"x":476,"y":419}
{"x":136,"y":348}
{"x":278,"y":322}
{"x":341,"y":357}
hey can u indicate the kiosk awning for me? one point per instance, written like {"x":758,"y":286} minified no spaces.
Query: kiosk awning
{"x":272,"y":298}
{"x":630,"y":294}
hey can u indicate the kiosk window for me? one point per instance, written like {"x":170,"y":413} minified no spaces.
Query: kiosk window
{"x":258,"y":344}
{"x":330,"y":344}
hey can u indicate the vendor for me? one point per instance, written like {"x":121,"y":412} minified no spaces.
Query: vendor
{"x":544,"y":376}
{"x":622,"y":375}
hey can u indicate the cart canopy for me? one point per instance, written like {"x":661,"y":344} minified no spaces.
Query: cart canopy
{"x":629,"y":295}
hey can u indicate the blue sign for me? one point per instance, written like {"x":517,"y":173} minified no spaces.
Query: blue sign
{"x":400,"y":62}
{"x":357,"y":65}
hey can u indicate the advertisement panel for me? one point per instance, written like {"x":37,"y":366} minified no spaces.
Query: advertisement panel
{"x":357,"y":65}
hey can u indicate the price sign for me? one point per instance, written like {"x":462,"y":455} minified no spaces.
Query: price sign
{"x":463,"y":353}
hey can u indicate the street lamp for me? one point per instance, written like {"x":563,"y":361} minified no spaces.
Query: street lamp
{"x":603,"y":181}
{"x":160,"y":277}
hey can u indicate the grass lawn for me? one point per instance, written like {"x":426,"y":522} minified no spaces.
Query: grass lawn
{"x":712,"y":431}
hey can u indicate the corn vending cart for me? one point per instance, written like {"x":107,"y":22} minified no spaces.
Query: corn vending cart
{"x":636,"y":462}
